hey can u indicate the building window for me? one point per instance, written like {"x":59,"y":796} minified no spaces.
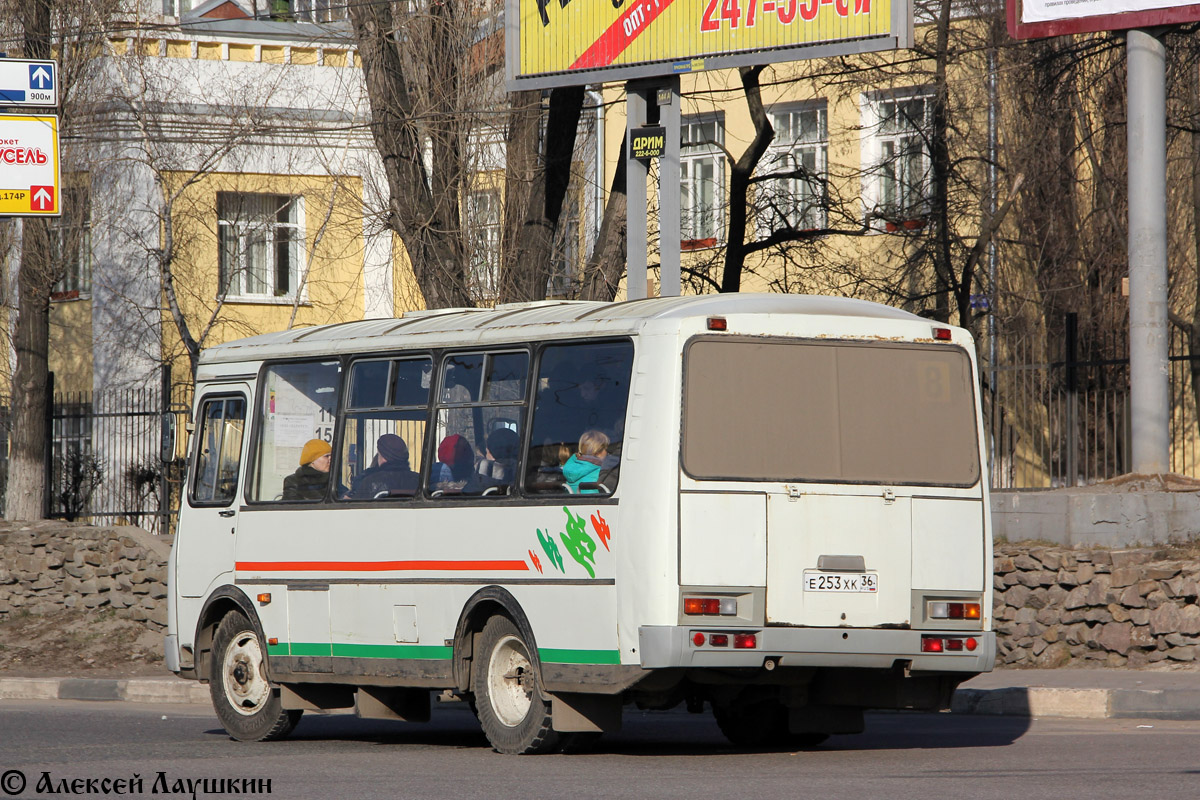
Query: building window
{"x":73,"y":231}
{"x":260,"y":244}
{"x":566,"y":260}
{"x":483,"y":229}
{"x":796,"y":197}
{"x":316,"y":10}
{"x":701,"y":181}
{"x":900,"y":157}
{"x":176,"y":8}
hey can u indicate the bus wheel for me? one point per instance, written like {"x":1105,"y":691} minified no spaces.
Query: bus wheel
{"x":761,"y":724}
{"x":245,"y":702}
{"x":513,"y":711}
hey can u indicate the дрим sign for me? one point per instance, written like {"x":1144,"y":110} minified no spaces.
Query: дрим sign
{"x":647,"y":142}
{"x":29,"y":166}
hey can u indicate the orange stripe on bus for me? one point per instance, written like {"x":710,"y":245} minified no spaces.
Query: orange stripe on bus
{"x":377,"y":566}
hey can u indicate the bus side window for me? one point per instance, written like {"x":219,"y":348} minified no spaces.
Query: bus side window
{"x":296,"y":416}
{"x":218,"y":451}
{"x":580,"y":388}
{"x":480,"y":410}
{"x":383,"y":429}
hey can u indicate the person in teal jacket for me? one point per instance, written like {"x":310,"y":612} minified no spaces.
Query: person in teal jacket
{"x":584,"y":466}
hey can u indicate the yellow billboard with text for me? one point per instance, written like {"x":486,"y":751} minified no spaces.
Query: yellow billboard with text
{"x":582,"y":41}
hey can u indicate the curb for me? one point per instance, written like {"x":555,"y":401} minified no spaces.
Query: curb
{"x":130,"y":690}
{"x":1036,"y":701}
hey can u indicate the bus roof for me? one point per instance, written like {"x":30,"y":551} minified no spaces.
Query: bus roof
{"x":466,"y":326}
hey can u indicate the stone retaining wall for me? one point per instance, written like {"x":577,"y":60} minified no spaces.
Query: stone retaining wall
{"x":1058,"y":607}
{"x":48,"y":565}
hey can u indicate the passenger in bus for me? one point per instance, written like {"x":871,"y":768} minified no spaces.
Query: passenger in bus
{"x":390,"y":474}
{"x":455,"y":471}
{"x":311,"y":478}
{"x":499,"y":467}
{"x":585,"y":466}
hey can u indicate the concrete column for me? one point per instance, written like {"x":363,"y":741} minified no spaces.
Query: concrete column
{"x":1148,"y":363}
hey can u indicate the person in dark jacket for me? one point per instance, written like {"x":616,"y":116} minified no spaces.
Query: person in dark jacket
{"x":390,"y":476}
{"x":311,"y":478}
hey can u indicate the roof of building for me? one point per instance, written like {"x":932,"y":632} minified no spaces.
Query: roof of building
{"x":459,"y":326}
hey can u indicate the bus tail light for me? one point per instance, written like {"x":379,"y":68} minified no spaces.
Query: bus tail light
{"x":954,"y":610}
{"x":718,"y":639}
{"x":948,"y":644}
{"x":710,"y":606}
{"x":745,"y":641}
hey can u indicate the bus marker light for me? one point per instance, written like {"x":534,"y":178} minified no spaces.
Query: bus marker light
{"x":264,"y":598}
{"x":745,"y":641}
{"x":931,"y":644}
{"x":273,"y":641}
{"x":942,"y":334}
{"x":954,"y":644}
{"x":717,"y":324}
{"x":971,"y":643}
{"x":698,"y":639}
{"x":718,"y":639}
{"x":701,"y":606}
{"x":970,"y":610}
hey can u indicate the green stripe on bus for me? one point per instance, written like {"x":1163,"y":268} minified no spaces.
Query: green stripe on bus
{"x":323,"y":649}
{"x":554,"y":655}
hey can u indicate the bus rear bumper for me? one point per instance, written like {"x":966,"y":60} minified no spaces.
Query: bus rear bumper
{"x":664,"y":646}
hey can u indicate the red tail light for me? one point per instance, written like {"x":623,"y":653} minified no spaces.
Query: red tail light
{"x":745,"y":641}
{"x":942,"y":334}
{"x":718,"y":639}
{"x":931,"y":644}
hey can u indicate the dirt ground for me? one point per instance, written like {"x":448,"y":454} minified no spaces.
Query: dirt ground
{"x":78,"y":644}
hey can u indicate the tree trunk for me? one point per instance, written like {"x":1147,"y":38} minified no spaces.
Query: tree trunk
{"x":434,"y":243}
{"x":1194,"y":333}
{"x":740,"y":173}
{"x":940,"y":153}
{"x":604,"y":268}
{"x":535,"y":188}
{"x":26,"y":493}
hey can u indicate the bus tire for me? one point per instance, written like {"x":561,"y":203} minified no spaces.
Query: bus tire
{"x":513,"y":710}
{"x":247,"y":705}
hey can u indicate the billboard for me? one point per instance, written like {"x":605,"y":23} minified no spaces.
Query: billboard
{"x":29,"y":166}
{"x":570,"y":42}
{"x":1031,"y":19}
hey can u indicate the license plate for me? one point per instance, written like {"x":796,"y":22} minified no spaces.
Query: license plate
{"x":841,"y":581}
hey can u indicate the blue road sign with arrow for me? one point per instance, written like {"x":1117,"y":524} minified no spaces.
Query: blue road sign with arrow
{"x":28,"y":83}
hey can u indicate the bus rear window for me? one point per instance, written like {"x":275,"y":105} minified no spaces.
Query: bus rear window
{"x":831,"y":412}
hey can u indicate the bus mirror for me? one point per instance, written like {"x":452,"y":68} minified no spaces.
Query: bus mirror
{"x":167,"y":443}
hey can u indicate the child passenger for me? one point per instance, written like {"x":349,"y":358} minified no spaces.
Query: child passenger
{"x":584,"y":466}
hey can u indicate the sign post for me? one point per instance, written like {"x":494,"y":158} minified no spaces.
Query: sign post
{"x":29,"y":169}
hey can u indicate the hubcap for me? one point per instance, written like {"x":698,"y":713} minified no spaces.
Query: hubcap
{"x":510,"y":681}
{"x":246,"y":688}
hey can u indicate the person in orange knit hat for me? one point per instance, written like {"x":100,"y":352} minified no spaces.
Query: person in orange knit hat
{"x":311,"y":478}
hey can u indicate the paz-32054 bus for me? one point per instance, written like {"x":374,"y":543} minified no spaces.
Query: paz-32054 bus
{"x":771,"y":505}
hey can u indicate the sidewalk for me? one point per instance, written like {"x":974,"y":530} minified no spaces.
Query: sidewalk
{"x":1073,"y":693}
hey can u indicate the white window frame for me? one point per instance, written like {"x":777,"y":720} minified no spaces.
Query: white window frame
{"x":318,"y":11}
{"x":786,"y":150}
{"x":708,"y":151}
{"x":885,"y":133}
{"x":239,"y":289}
{"x":485,"y":213}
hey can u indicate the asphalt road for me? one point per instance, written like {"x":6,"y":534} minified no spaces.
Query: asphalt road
{"x":656,"y":755}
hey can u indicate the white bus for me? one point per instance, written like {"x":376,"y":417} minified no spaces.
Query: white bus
{"x":772,"y":504}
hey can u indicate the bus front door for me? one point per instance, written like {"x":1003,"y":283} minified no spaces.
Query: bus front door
{"x":208,"y":528}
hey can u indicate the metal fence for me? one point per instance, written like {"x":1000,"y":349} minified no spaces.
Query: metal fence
{"x":1066,"y":422}
{"x":103,"y":462}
